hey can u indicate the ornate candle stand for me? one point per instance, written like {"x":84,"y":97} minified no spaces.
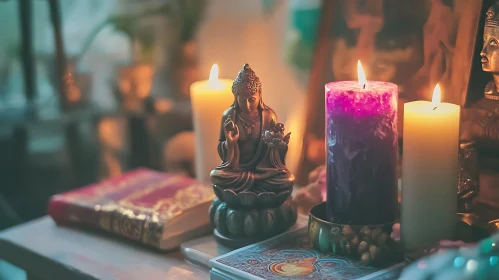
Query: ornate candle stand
{"x":252,"y":184}
{"x":369,"y":243}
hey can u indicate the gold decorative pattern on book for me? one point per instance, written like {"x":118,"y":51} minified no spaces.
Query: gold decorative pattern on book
{"x":128,"y":216}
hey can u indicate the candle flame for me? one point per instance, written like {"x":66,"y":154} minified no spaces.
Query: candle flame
{"x":435,"y":100}
{"x":361,"y":75}
{"x":213,"y":79}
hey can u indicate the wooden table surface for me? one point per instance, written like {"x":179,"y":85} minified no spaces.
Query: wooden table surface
{"x":46,"y":251}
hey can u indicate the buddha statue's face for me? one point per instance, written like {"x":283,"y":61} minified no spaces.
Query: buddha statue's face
{"x":248,"y":101}
{"x":490,"y":50}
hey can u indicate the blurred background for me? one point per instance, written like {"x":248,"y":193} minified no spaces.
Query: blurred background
{"x":92,"y":88}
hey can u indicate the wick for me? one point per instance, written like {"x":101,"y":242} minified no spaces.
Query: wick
{"x":435,"y":108}
{"x":364,"y":86}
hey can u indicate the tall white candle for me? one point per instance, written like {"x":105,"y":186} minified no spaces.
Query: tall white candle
{"x":429,"y":172}
{"x":209,"y":100}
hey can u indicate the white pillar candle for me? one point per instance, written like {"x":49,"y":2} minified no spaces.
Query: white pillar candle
{"x":209,"y":100}
{"x":429,"y":172}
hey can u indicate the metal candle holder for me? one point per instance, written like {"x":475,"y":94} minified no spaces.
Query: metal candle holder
{"x":369,"y":243}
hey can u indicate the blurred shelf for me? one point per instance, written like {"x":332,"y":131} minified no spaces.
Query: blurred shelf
{"x":19,"y":116}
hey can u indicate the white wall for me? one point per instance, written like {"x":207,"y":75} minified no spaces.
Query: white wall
{"x":237,"y":32}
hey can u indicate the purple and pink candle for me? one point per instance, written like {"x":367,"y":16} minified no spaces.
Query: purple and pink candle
{"x":362,"y":150}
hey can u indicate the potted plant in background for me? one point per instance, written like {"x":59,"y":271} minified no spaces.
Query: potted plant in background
{"x":163,"y":59}
{"x":163,"y":64}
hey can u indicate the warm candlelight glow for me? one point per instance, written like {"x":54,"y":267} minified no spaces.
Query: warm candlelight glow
{"x":361,"y":75}
{"x":213,"y":79}
{"x":210,"y":98}
{"x":436,"y":96}
{"x":429,"y":167}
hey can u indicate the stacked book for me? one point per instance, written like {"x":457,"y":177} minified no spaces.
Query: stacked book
{"x":158,"y":209}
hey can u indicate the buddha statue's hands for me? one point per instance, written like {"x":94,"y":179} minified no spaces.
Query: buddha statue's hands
{"x":275,"y":137}
{"x":231,"y":132}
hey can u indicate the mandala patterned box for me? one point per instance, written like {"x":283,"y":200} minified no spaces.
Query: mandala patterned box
{"x":158,"y":209}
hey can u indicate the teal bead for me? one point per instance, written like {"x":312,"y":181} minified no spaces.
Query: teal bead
{"x":334,"y":248}
{"x":459,"y":262}
{"x":323,"y":240}
{"x":487,"y":246}
{"x":494,"y":260}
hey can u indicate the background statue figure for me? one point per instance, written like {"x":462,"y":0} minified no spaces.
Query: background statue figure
{"x":482,"y":122}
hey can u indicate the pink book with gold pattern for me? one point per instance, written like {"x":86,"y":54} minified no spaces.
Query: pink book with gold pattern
{"x":158,"y":209}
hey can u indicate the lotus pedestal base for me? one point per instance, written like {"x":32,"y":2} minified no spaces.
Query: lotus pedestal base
{"x":239,"y":226}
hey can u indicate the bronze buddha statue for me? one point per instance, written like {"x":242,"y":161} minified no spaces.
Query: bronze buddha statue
{"x":252,"y":182}
{"x":249,"y":163}
{"x":482,"y":121}
{"x":490,"y":51}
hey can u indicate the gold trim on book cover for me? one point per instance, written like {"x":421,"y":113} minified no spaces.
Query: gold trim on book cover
{"x":184,"y":198}
{"x":142,"y":223}
{"x":153,"y":231}
{"x":146,"y":224}
{"x":153,"y":225}
{"x":129,"y":224}
{"x":106,"y":215}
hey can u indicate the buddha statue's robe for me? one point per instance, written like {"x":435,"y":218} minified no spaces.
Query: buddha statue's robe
{"x":264,"y":171}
